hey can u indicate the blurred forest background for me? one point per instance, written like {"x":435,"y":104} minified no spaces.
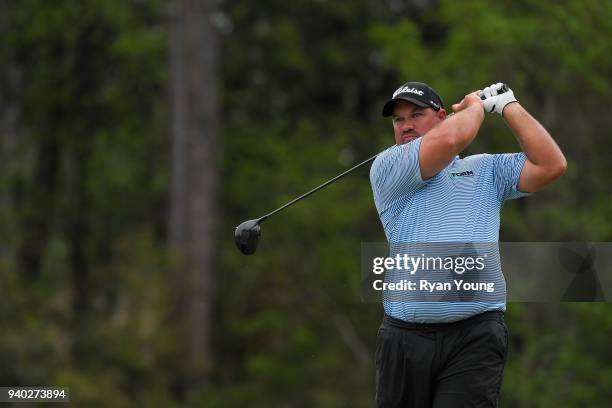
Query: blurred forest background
{"x":136,"y":134}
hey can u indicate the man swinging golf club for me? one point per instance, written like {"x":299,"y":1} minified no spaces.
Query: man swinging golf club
{"x":450,"y":354}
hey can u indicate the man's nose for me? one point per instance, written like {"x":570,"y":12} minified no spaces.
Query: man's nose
{"x":407,"y":126}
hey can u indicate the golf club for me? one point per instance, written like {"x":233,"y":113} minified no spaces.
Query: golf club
{"x":248,"y":233}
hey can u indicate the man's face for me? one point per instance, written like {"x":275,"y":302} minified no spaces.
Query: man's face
{"x":411,"y":121}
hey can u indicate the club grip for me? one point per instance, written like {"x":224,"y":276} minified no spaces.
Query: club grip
{"x":500,"y":90}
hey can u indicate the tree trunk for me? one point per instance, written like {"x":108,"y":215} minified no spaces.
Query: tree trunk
{"x":193,"y":64}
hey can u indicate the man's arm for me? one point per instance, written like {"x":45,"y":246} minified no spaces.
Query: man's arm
{"x":446,"y":140}
{"x":545,"y":161}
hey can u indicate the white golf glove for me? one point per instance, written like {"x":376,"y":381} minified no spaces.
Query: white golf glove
{"x":495,"y":99}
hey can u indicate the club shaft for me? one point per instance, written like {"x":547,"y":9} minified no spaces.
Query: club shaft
{"x":314,"y":190}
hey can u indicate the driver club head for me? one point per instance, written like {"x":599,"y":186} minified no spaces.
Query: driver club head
{"x":247,"y":236}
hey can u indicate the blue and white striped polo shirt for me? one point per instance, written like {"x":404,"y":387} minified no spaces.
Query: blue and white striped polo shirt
{"x":461,"y":203}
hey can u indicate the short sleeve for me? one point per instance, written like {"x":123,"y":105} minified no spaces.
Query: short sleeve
{"x":396,"y":173}
{"x":507,"y":169}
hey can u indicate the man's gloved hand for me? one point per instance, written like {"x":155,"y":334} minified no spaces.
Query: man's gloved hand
{"x":494,"y":101}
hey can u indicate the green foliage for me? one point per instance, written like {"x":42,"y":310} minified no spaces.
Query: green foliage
{"x":86,"y":185}
{"x":84,"y":269}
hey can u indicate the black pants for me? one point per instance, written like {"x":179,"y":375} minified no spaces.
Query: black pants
{"x":440,"y":365}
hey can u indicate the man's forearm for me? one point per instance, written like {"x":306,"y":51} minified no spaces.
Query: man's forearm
{"x":450,"y":136}
{"x":461,"y":128}
{"x":535,"y":141}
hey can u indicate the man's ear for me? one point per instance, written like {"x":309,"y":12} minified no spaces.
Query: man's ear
{"x":442,"y":114}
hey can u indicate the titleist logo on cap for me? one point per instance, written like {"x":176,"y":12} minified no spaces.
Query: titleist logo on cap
{"x":407,"y":89}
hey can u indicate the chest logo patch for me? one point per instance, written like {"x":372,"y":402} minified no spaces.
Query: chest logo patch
{"x":467,"y":173}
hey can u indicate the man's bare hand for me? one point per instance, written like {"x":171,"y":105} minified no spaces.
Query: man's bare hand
{"x":469,"y":100}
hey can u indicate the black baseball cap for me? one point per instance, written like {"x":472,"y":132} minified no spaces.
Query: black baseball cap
{"x":415,"y":92}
